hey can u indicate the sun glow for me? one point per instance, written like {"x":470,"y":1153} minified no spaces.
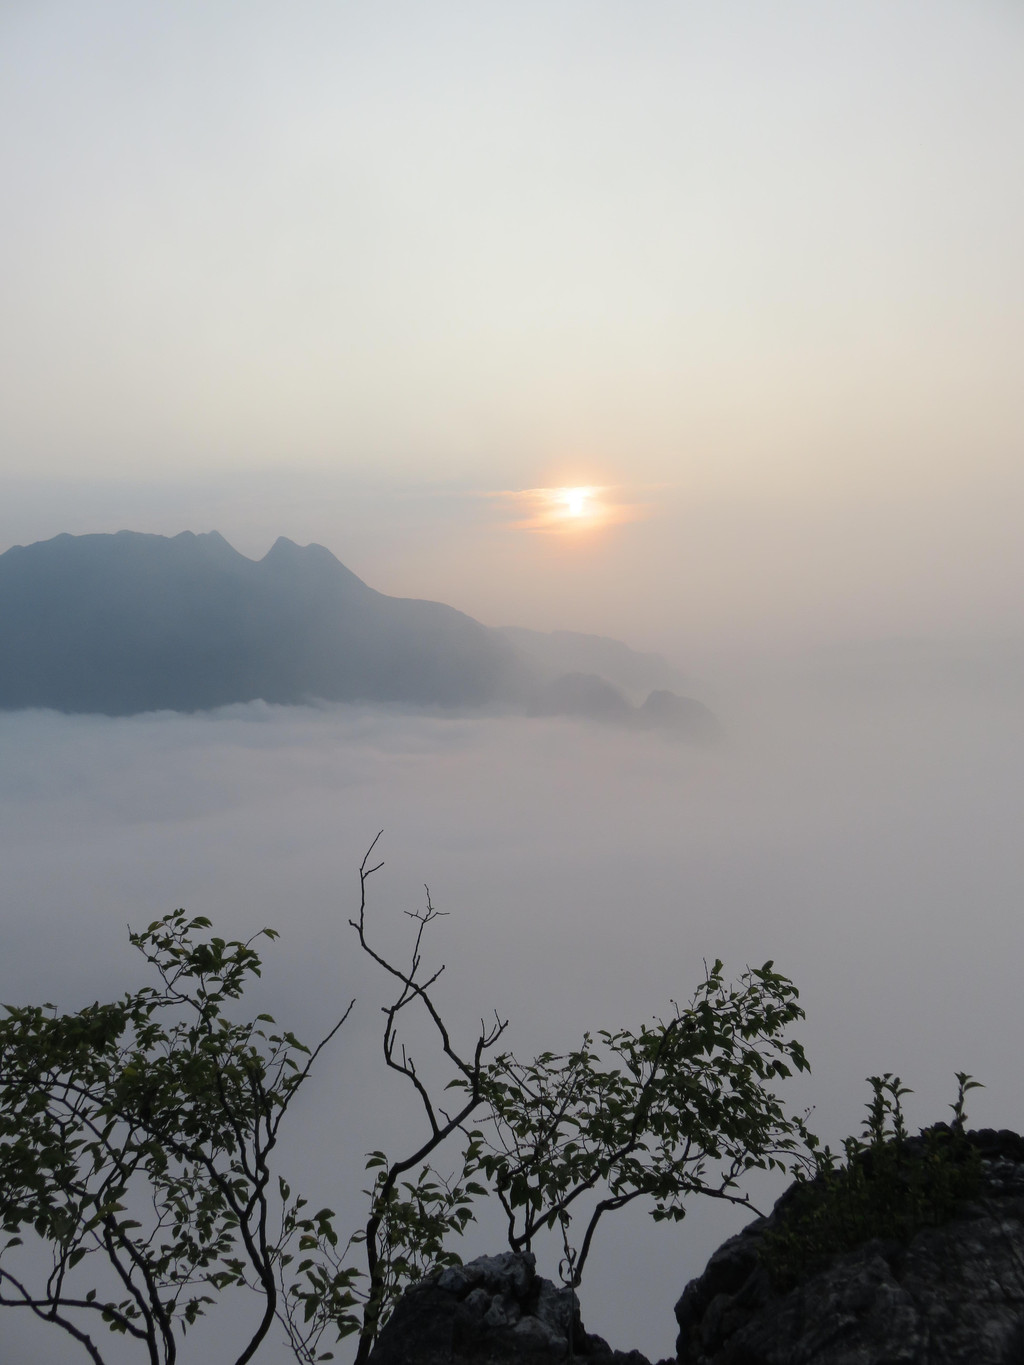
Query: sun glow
{"x":571,"y":509}
{"x":576,"y":510}
{"x":575,"y":500}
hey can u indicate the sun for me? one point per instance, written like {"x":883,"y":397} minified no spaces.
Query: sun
{"x":572,"y":510}
{"x":575,"y":500}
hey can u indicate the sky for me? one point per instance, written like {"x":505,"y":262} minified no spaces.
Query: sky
{"x":347,"y":272}
{"x":694,"y":324}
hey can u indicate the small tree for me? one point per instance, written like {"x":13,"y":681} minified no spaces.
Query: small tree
{"x":684,"y":1106}
{"x":139,"y":1135}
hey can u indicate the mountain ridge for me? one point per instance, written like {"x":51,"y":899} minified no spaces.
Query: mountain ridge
{"x":130,"y":622}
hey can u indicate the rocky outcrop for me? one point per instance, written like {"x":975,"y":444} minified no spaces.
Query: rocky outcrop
{"x":953,"y":1295}
{"x":494,"y":1311}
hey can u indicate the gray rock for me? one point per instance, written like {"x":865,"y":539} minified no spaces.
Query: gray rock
{"x":554,"y":1307}
{"x":539,"y":1339}
{"x":505,"y":1274}
{"x":953,"y":1295}
{"x":494,"y":1311}
{"x":503,"y":1312}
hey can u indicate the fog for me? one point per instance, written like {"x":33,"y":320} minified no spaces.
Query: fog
{"x":859,"y":825}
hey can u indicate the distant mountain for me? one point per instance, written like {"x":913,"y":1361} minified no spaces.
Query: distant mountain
{"x":587,"y":695}
{"x":665,"y":711}
{"x":567,"y":651}
{"x":581,"y":694}
{"x":129,"y":622}
{"x":118,"y":624}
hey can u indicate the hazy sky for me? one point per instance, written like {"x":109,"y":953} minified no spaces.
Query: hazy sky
{"x":346,"y":271}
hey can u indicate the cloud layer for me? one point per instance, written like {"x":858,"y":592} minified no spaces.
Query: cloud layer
{"x":867,"y":841}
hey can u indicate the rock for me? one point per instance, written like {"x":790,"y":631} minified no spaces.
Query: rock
{"x":494,"y":1311}
{"x":952,"y":1295}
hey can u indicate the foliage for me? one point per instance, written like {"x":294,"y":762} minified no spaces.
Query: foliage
{"x":138,"y":1134}
{"x":137,"y":1138}
{"x":683,"y":1106}
{"x":890,"y":1186}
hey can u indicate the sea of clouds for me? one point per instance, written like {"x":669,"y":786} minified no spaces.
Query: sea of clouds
{"x":867,"y":838}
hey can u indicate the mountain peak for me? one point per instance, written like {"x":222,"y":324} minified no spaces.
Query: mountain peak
{"x":312,"y":561}
{"x":282,"y":545}
{"x":285,"y":549}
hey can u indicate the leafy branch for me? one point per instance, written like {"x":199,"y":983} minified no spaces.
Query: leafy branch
{"x":683,"y":1106}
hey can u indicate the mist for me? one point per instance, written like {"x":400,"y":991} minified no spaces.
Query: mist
{"x":859,"y":825}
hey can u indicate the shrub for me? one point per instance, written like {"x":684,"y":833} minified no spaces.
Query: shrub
{"x":889,"y":1186}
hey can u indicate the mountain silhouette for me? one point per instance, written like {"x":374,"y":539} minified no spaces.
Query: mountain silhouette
{"x":125,"y":623}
